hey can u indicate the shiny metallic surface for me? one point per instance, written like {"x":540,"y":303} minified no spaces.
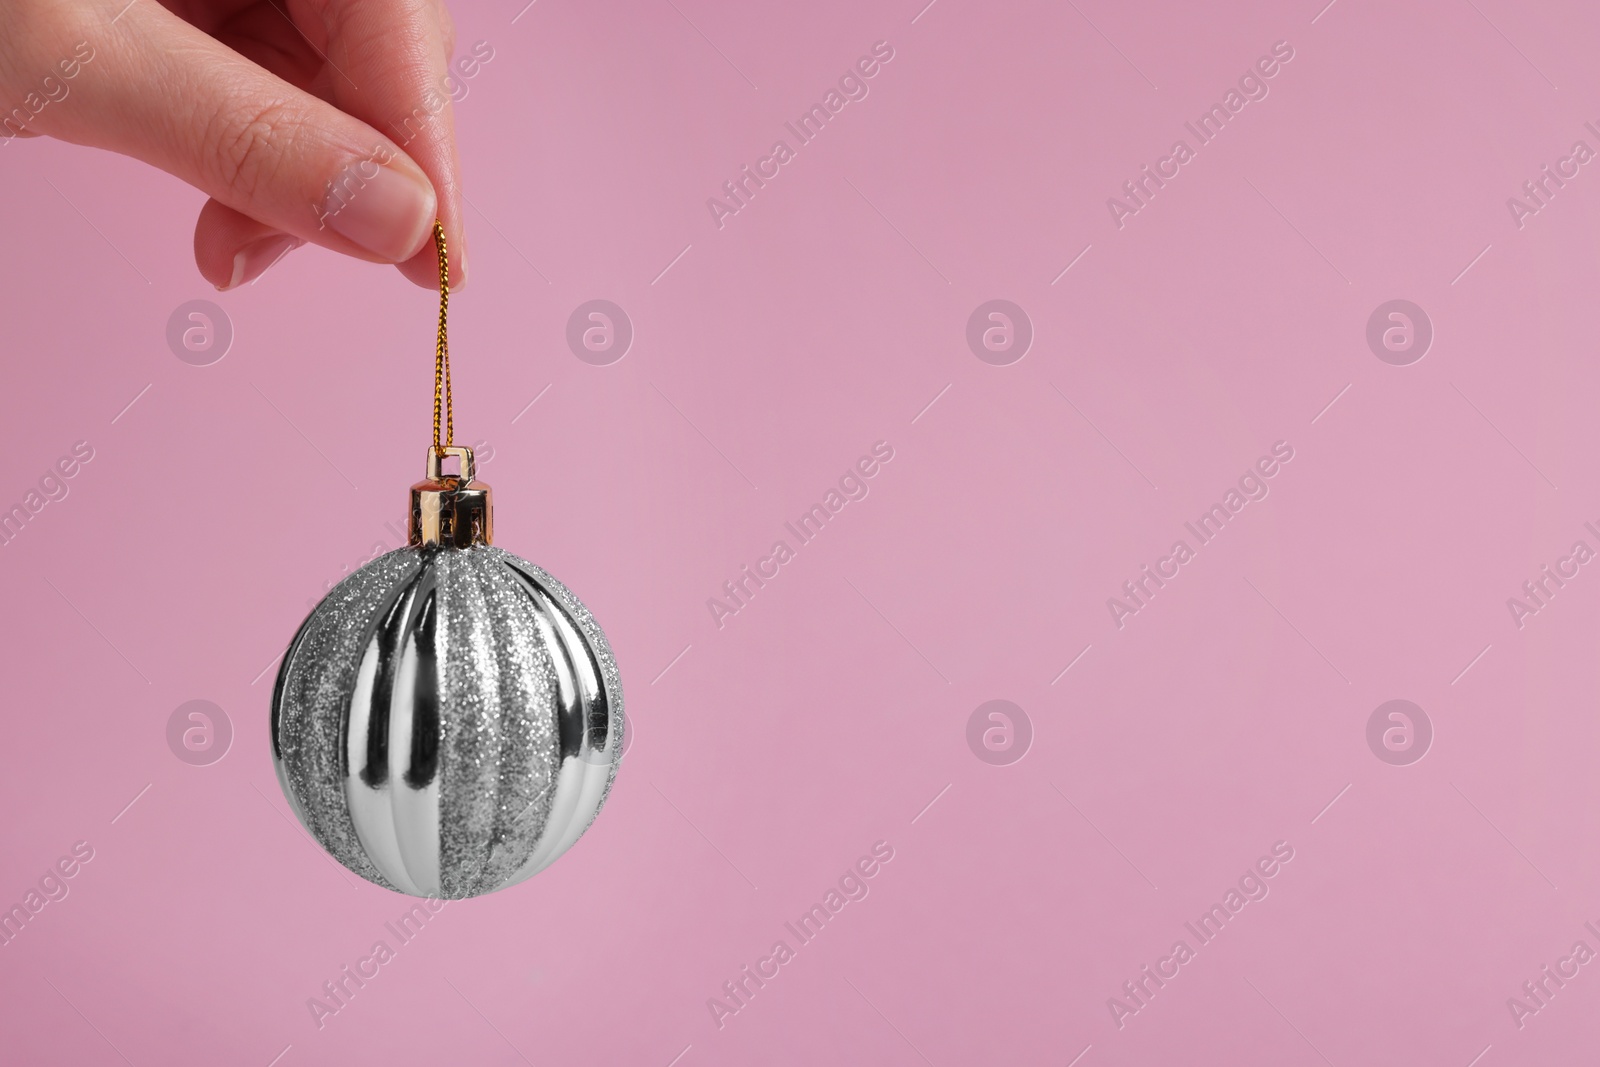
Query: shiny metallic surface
{"x":448,"y":721}
{"x":448,"y":509}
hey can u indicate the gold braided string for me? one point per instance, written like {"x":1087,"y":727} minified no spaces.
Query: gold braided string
{"x":443,"y":402}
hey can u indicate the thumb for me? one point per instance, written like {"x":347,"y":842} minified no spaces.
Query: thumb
{"x":156,"y":88}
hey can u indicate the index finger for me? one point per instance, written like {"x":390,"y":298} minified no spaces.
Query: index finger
{"x":390,"y":61}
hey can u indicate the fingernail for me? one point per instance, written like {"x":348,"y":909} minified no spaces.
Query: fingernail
{"x":388,"y":214}
{"x":257,"y":257}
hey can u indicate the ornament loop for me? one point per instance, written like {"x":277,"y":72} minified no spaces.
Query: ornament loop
{"x":435,"y":469}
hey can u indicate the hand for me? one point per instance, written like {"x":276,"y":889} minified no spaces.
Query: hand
{"x":286,"y":112}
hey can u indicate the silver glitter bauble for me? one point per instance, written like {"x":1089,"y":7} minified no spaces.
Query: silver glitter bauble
{"x":448,"y":720}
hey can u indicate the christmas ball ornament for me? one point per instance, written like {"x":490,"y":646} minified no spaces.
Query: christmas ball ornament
{"x":448,"y":720}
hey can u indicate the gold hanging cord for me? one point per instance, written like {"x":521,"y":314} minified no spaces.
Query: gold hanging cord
{"x":453,"y":510}
{"x":442,"y":400}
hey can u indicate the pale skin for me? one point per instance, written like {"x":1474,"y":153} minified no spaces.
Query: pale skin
{"x":260,"y":104}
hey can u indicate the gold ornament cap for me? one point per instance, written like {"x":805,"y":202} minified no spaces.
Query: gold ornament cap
{"x":454,"y":510}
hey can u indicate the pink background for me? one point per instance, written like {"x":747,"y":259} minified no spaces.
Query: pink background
{"x":828,"y":713}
